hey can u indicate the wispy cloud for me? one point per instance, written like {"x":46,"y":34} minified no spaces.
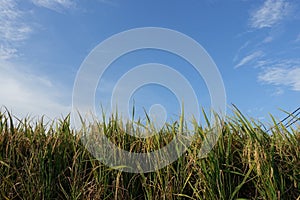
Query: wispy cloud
{"x":245,"y":45}
{"x":249,"y":58}
{"x":280,"y":72}
{"x":12,"y":28}
{"x":24,"y":93}
{"x":268,"y":39}
{"x":7,"y":52}
{"x":278,"y":91}
{"x":108,"y":2}
{"x":56,"y":5}
{"x":269,"y":14}
{"x":281,"y":77}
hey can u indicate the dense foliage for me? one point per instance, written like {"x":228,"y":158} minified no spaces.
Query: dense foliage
{"x":49,"y":161}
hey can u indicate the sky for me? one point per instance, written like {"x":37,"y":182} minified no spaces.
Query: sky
{"x":255,"y":45}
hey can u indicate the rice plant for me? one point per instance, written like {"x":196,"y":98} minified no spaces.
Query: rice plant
{"x":40,"y":160}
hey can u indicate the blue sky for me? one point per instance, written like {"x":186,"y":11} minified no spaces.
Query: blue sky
{"x":255,"y":45}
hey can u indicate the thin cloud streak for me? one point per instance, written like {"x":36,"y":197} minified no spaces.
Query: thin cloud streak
{"x":12,"y":29}
{"x":269,"y":14}
{"x":281,"y":77}
{"x":56,"y":5}
{"x":249,"y":58}
{"x":282,"y":73}
{"x":7,"y":52}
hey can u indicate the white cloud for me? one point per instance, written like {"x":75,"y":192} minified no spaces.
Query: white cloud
{"x":245,"y":45}
{"x":268,"y":39}
{"x":7,"y":52}
{"x":269,"y":14}
{"x":278,"y":91}
{"x":108,"y":2}
{"x":56,"y":5}
{"x":25,"y":93}
{"x":12,"y":28}
{"x":281,"y":77}
{"x":249,"y":58}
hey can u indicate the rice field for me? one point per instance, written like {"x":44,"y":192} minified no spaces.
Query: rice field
{"x":47,"y":160}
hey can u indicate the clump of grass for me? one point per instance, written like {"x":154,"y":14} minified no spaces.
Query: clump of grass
{"x":39,"y":161}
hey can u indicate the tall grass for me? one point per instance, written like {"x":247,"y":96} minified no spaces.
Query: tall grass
{"x":39,"y":161}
